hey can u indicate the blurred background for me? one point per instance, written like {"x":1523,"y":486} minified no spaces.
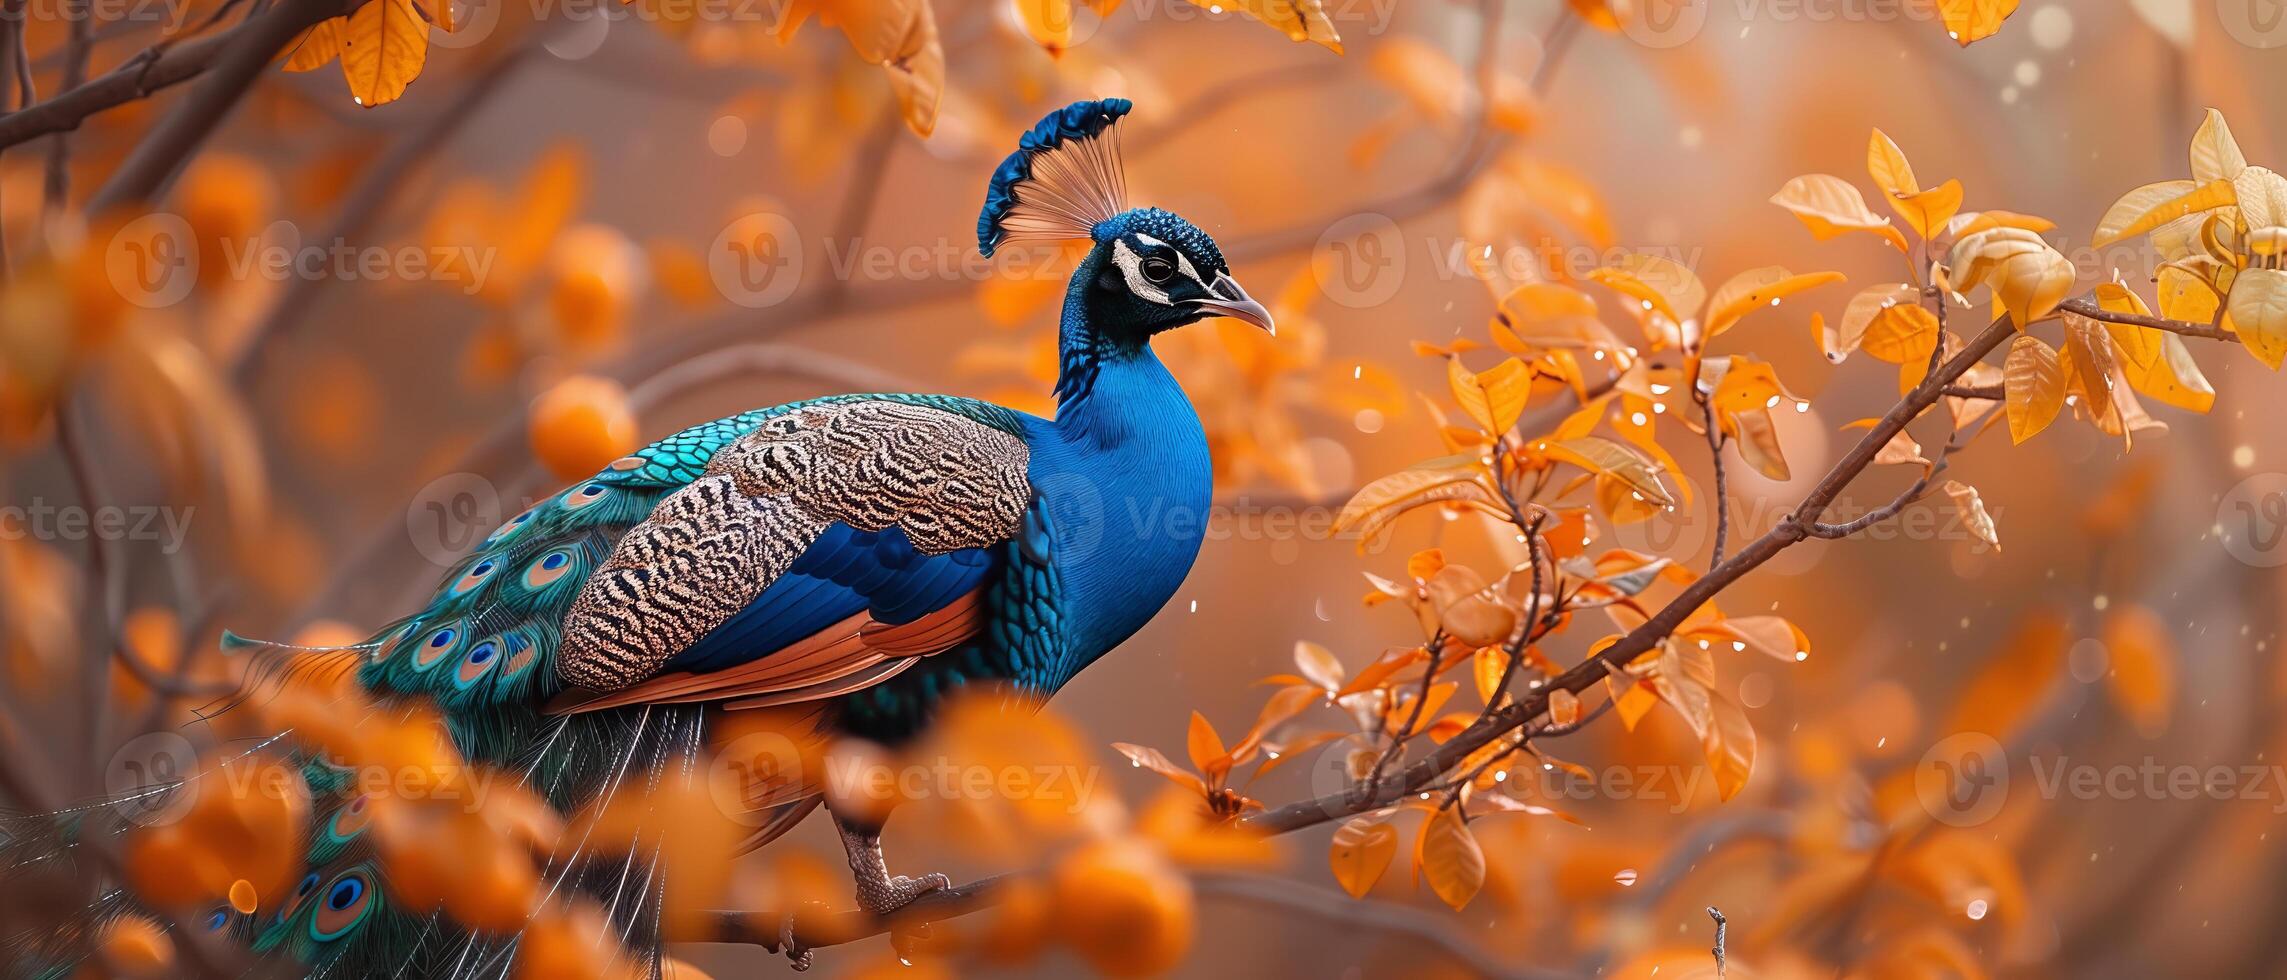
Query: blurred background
{"x":585,"y":226}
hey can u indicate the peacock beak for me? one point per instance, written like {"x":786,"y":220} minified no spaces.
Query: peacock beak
{"x":1231,"y":301}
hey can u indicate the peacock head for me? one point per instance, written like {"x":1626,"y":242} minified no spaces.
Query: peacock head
{"x":1149,"y":269}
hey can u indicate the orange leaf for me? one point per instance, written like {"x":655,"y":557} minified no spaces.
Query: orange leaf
{"x":1145,"y":757}
{"x":1206,"y":748}
{"x":1451,"y":858}
{"x":1361,"y":852}
{"x":2033,"y":382}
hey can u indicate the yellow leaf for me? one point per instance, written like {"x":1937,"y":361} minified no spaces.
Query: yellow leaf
{"x":1973,"y":513}
{"x":1887,"y":165}
{"x":1451,"y":859}
{"x":318,"y":46}
{"x":2027,"y":276}
{"x":1748,"y":386}
{"x":1859,"y":315}
{"x":2033,"y":382}
{"x":1755,"y":289}
{"x":1299,"y":20}
{"x":384,"y":45}
{"x":1468,"y":615}
{"x":1899,"y":450}
{"x":1048,"y":21}
{"x":1563,"y":708}
{"x":1664,"y":286}
{"x":1318,"y":665}
{"x":1541,"y":315}
{"x":1929,"y":211}
{"x":1603,"y":456}
{"x":1972,"y":222}
{"x":1362,"y":851}
{"x":1903,"y":333}
{"x":2152,"y":205}
{"x":2140,"y":345}
{"x":2089,"y":369}
{"x":2215,"y":154}
{"x":898,"y":35}
{"x":1489,"y":664}
{"x":1633,"y":704}
{"x":1830,"y":206}
{"x":1974,"y":20}
{"x":1759,"y":444}
{"x":1772,"y":636}
{"x":2172,"y":377}
{"x":2262,"y":198}
{"x":2143,"y":660}
{"x":1494,"y":397}
{"x":1449,"y":478}
{"x":2258,"y":314}
{"x":1730,"y":745}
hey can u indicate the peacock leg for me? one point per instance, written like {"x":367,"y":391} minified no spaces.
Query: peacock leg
{"x":879,"y":892}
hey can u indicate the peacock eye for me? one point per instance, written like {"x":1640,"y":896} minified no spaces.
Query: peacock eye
{"x":1158,"y":269}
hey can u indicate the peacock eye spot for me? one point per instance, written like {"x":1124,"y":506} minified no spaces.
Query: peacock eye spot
{"x":554,"y":561}
{"x":591,"y":490}
{"x":442,"y":638}
{"x":1158,"y":269}
{"x":345,"y":893}
{"x":309,"y":881}
{"x":481,"y":654}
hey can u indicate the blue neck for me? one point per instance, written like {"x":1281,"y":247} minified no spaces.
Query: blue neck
{"x":1126,"y":473}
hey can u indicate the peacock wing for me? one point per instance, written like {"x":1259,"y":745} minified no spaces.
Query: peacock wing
{"x":823,"y":552}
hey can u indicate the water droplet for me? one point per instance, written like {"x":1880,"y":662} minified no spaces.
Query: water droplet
{"x":1626,"y":877}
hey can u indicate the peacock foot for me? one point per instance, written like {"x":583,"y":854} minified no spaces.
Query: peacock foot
{"x":888,"y":893}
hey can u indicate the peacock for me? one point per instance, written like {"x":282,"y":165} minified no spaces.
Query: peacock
{"x":861,"y":557}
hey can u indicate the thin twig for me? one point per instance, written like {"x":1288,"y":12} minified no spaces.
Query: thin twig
{"x":2204,"y":331}
{"x":76,"y":51}
{"x":163,"y":65}
{"x":246,"y":51}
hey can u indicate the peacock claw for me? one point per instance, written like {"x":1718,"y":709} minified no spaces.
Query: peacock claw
{"x":796,"y":954}
{"x":888,"y":894}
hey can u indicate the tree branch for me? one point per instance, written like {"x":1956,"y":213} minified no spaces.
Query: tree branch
{"x":2088,"y":308}
{"x":241,"y":57}
{"x":158,"y":67}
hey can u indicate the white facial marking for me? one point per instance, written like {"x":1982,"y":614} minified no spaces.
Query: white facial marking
{"x":1131,"y":266}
